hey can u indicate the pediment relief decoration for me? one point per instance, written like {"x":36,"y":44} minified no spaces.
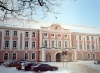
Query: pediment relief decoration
{"x":56,"y":27}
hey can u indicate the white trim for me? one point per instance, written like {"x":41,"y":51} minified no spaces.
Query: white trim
{"x":3,"y":56}
{"x":51,"y":42}
{"x":66,"y":37}
{"x":77,"y":38}
{"x":47,"y":42}
{"x":12,"y":55}
{"x":61,"y":43}
{"x":23,"y":44}
{"x":53,"y":36}
{"x":83,"y":43}
{"x":35,"y":44}
{"x":18,"y":33}
{"x":30,"y":40}
{"x":82,"y":56}
{"x":28,"y":44}
{"x":2,"y":46}
{"x":35,"y":56}
{"x":67,"y":43}
{"x":90,"y":56}
{"x":58,"y":36}
{"x":16,"y":44}
{"x":40,"y":38}
{"x":45,"y":36}
{"x":32,"y":33}
{"x":28,"y":55}
{"x":55,"y":55}
{"x":11,"y":40}
{"x":9,"y":44}
{"x":13,"y":33}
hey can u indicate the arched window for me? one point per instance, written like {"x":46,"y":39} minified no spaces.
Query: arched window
{"x":33,"y":56}
{"x":45,"y":43}
{"x":26,"y":56}
{"x":65,"y":44}
{"x":6,"y":56}
{"x":14,"y":56}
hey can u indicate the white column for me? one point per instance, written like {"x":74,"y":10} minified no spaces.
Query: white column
{"x":30,"y":40}
{"x":2,"y":45}
{"x":75,"y":56}
{"x":40,"y":38}
{"x":83,"y":43}
{"x":43,"y":54}
{"x":70,"y":41}
{"x":23,"y":43}
{"x":90,"y":43}
{"x":77,"y":37}
{"x":18,"y":40}
{"x":10,"y":39}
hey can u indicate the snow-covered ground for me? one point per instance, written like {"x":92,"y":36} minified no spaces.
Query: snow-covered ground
{"x":72,"y":67}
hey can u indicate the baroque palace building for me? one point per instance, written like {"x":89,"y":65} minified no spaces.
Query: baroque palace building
{"x":41,"y":41}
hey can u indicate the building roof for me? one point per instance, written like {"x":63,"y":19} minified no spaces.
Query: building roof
{"x":32,"y":24}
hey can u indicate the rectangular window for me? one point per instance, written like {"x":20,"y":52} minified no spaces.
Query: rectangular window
{"x":75,"y":45}
{"x":26,"y":56}
{"x":91,"y":38}
{"x":52,"y":43}
{"x":6,"y":56}
{"x":79,"y":37}
{"x":7,"y":32}
{"x":65,"y":44}
{"x":92,"y":46}
{"x":15,"y":33}
{"x":33,"y":44}
{"x":6,"y":44}
{"x":45,"y":34}
{"x":88,"y":47}
{"x":65,"y":36}
{"x":26,"y":34}
{"x":59,"y":35}
{"x":80,"y":46}
{"x":26,"y":44}
{"x":14,"y":56}
{"x":14,"y":44}
{"x":93,"y":56}
{"x":33,"y":56}
{"x":52,"y":35}
{"x":88,"y":56}
{"x":59,"y":44}
{"x":99,"y":38}
{"x":87,"y":37}
{"x":45,"y":43}
{"x":33,"y":34}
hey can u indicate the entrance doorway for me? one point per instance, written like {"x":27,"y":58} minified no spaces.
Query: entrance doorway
{"x":48,"y":57}
{"x":58,"y":57}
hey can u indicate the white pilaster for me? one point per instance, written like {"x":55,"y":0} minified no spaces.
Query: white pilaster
{"x":43,"y":54}
{"x":40,"y":38}
{"x":18,"y":40}
{"x":70,"y":41}
{"x":83,"y":42}
{"x":77,"y":37}
{"x":90,"y":43}
{"x":75,"y":55}
{"x":23,"y":43}
{"x":30,"y":40}
{"x":2,"y":46}
{"x":10,"y":39}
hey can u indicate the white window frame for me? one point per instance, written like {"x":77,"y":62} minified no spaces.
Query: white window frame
{"x":90,"y":56}
{"x":27,"y":54}
{"x":87,"y":37}
{"x":4,"y":55}
{"x":60,"y":36}
{"x":25,"y":44}
{"x":44,"y":43}
{"x":16,"y":44}
{"x":58,"y":43}
{"x":65,"y":37}
{"x":7,"y":34}
{"x":26,"y":34}
{"x":44,"y":35}
{"x":95,"y":56}
{"x":64,"y":43}
{"x":16,"y":56}
{"x":31,"y":56}
{"x":32,"y":34}
{"x":80,"y":46}
{"x":5,"y":45}
{"x":52,"y":36}
{"x":52,"y":43}
{"x":92,"y":46}
{"x":92,"y":38}
{"x":80,"y":37}
{"x":16,"y":33}
{"x":88,"y":46}
{"x":35,"y":44}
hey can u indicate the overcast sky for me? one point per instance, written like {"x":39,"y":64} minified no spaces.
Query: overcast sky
{"x":80,"y":12}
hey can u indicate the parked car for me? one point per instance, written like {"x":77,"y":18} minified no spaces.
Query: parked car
{"x":96,"y":61}
{"x":23,"y":61}
{"x":6,"y":62}
{"x":12,"y":64}
{"x":28,"y":65}
{"x":43,"y":67}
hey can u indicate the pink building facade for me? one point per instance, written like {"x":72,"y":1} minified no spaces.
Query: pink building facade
{"x":47,"y":44}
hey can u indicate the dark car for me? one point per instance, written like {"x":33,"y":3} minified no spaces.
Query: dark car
{"x":96,"y":61}
{"x":23,"y":61}
{"x":12,"y":64}
{"x":43,"y":67}
{"x":28,"y":65}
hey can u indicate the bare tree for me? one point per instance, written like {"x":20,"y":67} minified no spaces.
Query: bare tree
{"x":27,"y":8}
